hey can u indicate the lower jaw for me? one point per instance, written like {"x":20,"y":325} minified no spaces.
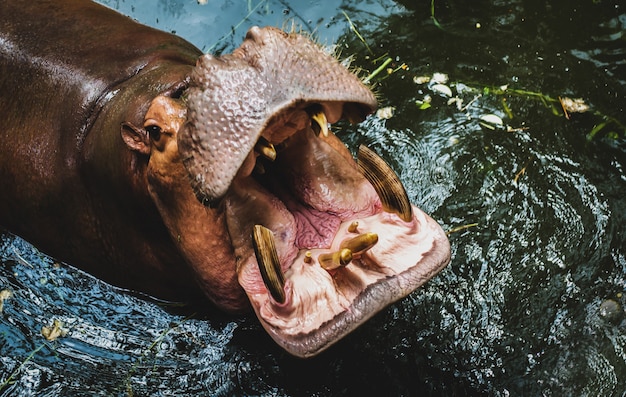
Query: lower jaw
{"x":322,"y":306}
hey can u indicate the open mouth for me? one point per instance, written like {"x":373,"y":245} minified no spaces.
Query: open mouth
{"x":321,"y":242}
{"x":327,"y":244}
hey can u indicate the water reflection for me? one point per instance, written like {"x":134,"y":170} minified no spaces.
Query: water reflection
{"x":539,"y":211}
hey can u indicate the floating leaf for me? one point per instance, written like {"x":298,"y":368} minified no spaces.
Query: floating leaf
{"x":422,"y":105}
{"x":54,"y":332}
{"x":576,"y":105}
{"x":440,"y":78}
{"x":442,"y":89}
{"x":492,"y":119}
{"x":4,"y":295}
{"x":456,"y":101}
{"x":421,"y":79}
{"x":385,"y":113}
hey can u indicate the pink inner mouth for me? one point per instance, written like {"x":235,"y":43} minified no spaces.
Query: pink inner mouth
{"x":303,"y":197}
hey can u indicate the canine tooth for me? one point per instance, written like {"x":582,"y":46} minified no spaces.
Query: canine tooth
{"x":269,"y":265}
{"x":386,"y":183}
{"x":308,"y":257}
{"x":319,"y":119}
{"x":334,"y":260}
{"x":360,"y":243}
{"x":265,"y":149}
{"x":354,"y":226}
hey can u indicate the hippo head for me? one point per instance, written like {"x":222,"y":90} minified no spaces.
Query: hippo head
{"x":268,"y":206}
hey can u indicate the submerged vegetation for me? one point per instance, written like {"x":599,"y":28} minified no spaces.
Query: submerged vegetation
{"x":384,"y":66}
{"x":605,"y":126}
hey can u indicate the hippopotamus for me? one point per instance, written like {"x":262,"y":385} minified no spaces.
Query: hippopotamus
{"x":127,"y":152}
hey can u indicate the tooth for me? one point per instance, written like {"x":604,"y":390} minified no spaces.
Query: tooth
{"x":360,"y":243}
{"x":320,"y":123}
{"x":269,"y":265}
{"x":354,"y":226}
{"x":308,"y":257}
{"x":386,"y":183}
{"x":265,"y":149}
{"x":334,"y":260}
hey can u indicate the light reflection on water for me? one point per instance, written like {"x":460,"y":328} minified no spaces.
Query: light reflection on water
{"x":516,"y":312}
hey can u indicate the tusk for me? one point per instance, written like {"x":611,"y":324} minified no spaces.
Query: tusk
{"x":335,"y":260}
{"x":386,"y":183}
{"x":269,"y":265}
{"x":265,"y":149}
{"x":319,"y":123}
{"x":361,"y":243}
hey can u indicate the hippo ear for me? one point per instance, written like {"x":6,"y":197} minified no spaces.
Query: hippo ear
{"x":136,"y":139}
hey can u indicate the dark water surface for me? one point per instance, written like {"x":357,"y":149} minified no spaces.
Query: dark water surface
{"x":536,"y":214}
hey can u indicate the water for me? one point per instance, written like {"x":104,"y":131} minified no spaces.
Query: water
{"x":537,"y":214}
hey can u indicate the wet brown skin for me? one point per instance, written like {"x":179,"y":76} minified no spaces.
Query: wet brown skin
{"x":71,"y":72}
{"x":128,"y":161}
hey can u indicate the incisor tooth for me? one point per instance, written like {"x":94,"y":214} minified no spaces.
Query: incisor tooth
{"x":265,"y":149}
{"x":334,"y":260}
{"x":269,"y":265}
{"x":354,"y":227}
{"x":360,"y":243}
{"x":386,"y":183}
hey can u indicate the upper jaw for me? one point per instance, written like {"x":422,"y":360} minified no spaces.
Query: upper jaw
{"x":233,"y":99}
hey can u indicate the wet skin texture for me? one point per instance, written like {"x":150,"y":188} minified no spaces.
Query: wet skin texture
{"x":136,"y":158}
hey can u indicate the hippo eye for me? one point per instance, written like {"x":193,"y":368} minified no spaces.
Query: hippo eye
{"x":154,"y":131}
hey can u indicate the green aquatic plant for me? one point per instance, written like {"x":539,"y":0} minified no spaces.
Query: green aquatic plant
{"x":567,"y":106}
{"x":375,"y":73}
{"x":150,"y":351}
{"x":356,"y":32}
{"x":9,"y":379}
{"x":606,"y":126}
{"x":432,"y":15}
